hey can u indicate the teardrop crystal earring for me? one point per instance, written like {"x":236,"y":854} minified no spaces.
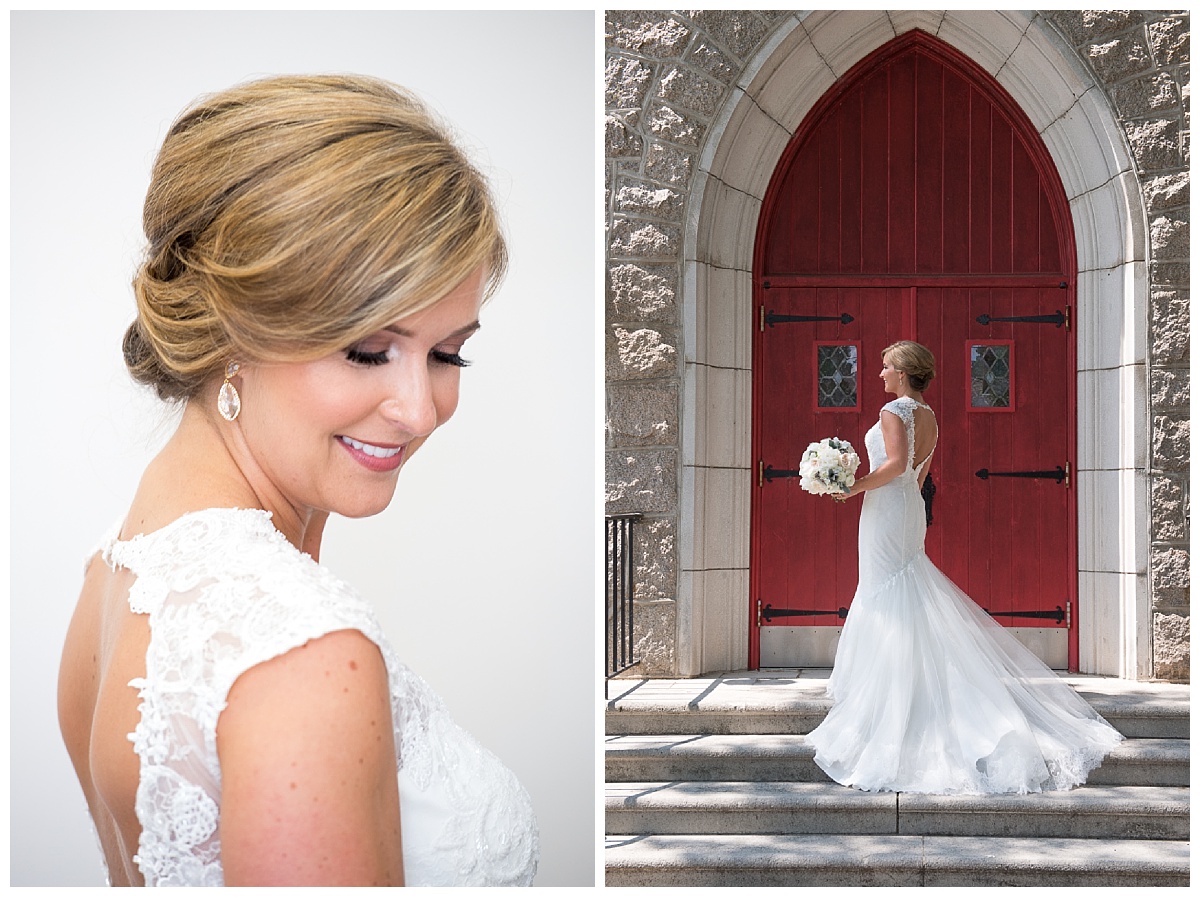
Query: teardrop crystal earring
{"x":229,"y":403}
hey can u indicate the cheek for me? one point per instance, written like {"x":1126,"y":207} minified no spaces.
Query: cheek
{"x":330,"y":397}
{"x":445,"y":397}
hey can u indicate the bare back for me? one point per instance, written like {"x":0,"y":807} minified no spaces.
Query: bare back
{"x":925,"y":434}
{"x":104,"y":650}
{"x":97,"y":709}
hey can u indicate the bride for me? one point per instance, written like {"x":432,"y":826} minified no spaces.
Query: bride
{"x":318,"y":254}
{"x":930,"y":694}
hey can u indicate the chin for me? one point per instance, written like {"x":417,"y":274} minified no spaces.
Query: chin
{"x":365,"y":506}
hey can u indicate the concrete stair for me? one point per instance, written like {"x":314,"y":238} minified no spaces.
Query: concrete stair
{"x":711,"y":782}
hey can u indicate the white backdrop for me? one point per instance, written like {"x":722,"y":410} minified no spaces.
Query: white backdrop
{"x":484,"y":568}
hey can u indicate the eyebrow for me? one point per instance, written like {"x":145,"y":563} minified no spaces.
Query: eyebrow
{"x":461,"y":331}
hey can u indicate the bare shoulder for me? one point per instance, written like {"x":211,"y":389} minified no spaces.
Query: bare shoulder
{"x":891,"y":421}
{"x":308,"y":768}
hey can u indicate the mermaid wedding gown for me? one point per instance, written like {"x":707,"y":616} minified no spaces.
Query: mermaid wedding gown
{"x":930,"y":694}
{"x":224,"y":590}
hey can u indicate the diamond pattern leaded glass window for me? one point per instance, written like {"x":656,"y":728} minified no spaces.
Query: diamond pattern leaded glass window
{"x":991,"y":385}
{"x":837,"y":376}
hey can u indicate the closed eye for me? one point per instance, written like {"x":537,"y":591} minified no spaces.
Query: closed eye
{"x":450,"y":358}
{"x":358,"y":356}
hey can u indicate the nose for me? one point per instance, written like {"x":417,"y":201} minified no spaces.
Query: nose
{"x":410,"y":403}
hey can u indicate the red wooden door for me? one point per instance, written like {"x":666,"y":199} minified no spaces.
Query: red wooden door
{"x":916,"y":202}
{"x":1005,"y":532}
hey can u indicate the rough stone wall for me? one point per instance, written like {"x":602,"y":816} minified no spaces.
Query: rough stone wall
{"x":666,"y":75}
{"x":1142,"y":60}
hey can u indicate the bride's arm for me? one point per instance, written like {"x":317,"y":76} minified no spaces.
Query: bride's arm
{"x":309,"y":793}
{"x":895,"y":443}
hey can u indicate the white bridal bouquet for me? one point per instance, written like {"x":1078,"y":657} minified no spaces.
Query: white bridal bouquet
{"x":827,"y":467}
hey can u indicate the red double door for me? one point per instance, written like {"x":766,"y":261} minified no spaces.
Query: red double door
{"x":916,"y":202}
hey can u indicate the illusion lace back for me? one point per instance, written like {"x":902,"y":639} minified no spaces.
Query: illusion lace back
{"x":224,"y":590}
{"x":930,"y":694}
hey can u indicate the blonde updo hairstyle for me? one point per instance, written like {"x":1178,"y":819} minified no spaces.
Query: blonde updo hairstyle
{"x":914,"y":360}
{"x":291,"y":217}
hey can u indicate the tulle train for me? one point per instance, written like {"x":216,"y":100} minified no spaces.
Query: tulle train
{"x":932,"y":696}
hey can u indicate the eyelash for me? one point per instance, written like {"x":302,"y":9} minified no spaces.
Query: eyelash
{"x":371,"y":359}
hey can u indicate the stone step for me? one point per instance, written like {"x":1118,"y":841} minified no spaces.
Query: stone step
{"x":711,"y":782}
{"x":749,"y":808}
{"x":776,"y":703}
{"x":780,"y":758}
{"x":896,"y":860}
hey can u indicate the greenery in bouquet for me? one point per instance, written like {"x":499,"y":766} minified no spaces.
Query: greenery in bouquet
{"x":827,"y":467}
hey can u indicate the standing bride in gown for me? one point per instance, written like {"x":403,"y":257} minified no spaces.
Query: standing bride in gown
{"x":930,"y":694}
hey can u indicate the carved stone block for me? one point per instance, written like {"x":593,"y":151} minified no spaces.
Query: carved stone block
{"x":1170,"y":191}
{"x":688,"y":89}
{"x":1169,"y":236}
{"x":641,"y":482}
{"x":643,"y":292}
{"x":647,"y":33}
{"x":626,"y":82}
{"x":1172,"y":647}
{"x":1169,"y":389}
{"x":654,"y":560}
{"x":738,"y":30}
{"x":1083,"y":26}
{"x":1169,"y":325}
{"x":1153,"y":95}
{"x":630,"y":238}
{"x":1171,"y":442}
{"x":669,"y":165}
{"x":1170,"y":566}
{"x":1117,"y":60}
{"x":709,"y":58}
{"x":1155,"y":144}
{"x":641,"y":414}
{"x":1169,"y":40}
{"x":640,"y":354}
{"x":650,"y":201}
{"x":1169,"y":508}
{"x":669,"y":125}
{"x":621,"y":137}
{"x":654,"y":639}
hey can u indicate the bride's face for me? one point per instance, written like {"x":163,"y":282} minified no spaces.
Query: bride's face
{"x":891,"y":376}
{"x":332,"y":434}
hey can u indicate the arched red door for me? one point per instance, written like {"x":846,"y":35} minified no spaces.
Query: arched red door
{"x":916,"y":201}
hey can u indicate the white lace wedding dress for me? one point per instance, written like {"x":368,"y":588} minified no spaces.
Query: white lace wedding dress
{"x":224,"y":590}
{"x":930,"y":694}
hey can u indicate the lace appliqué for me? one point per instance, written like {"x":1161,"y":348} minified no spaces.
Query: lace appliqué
{"x":903,"y":408}
{"x":225,"y":591}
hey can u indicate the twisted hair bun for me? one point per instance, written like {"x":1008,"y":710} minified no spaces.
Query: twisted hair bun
{"x":914,"y":360}
{"x":290,"y":217}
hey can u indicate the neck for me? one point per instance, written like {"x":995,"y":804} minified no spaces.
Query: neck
{"x":207,"y":464}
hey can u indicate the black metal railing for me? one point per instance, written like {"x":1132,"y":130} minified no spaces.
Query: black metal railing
{"x":618,"y":595}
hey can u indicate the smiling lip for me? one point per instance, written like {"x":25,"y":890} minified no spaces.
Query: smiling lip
{"x":379,"y":458}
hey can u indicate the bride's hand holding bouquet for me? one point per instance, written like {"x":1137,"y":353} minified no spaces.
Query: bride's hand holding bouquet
{"x":827,"y":468}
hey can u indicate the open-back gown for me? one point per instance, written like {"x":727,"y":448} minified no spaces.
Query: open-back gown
{"x":225,"y":591}
{"x":930,"y":694}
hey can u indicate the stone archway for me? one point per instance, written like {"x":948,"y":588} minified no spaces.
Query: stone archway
{"x":778,"y":86}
